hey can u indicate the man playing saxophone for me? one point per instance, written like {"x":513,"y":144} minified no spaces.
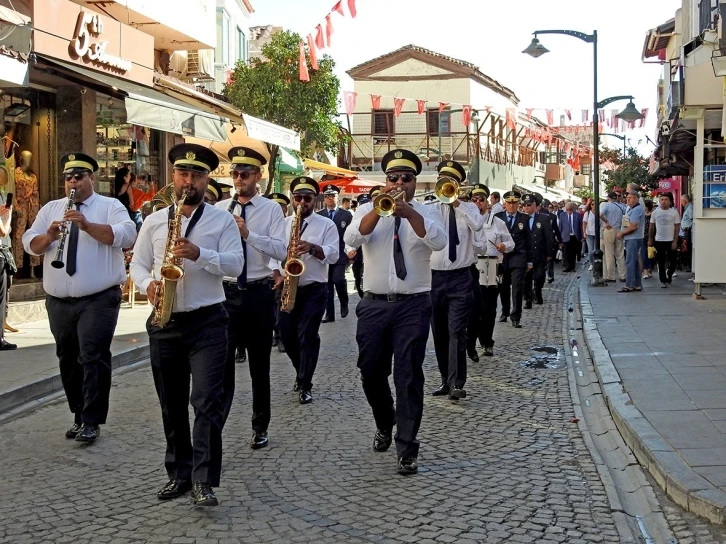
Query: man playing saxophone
{"x":193,"y":341}
{"x":313,"y":240}
{"x":84,"y":293}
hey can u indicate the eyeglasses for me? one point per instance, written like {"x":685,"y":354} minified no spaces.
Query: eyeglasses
{"x":299,"y":198}
{"x":78,"y":175}
{"x":478,"y":199}
{"x":393,"y":178}
{"x":242,"y":175}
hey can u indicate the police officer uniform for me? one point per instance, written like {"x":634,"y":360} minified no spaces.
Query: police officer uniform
{"x":284,"y":203}
{"x":395,"y":313}
{"x":515,"y":263}
{"x":84,"y":294}
{"x":300,"y":326}
{"x":452,"y":294}
{"x":193,"y":344}
{"x":250,"y":299}
{"x":336,"y":272}
{"x":543,"y":251}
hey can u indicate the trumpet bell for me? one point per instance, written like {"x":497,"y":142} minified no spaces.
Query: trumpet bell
{"x":385,"y":203}
{"x":294,"y":268}
{"x":446,"y":190}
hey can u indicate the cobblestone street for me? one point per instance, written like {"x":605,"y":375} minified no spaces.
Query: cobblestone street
{"x":504,"y":465}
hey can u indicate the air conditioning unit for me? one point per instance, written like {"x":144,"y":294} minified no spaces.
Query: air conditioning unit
{"x":200,"y":66}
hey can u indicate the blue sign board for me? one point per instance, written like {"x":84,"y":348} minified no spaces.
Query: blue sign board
{"x":714,"y":186}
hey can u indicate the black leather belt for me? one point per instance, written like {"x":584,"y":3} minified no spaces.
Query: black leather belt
{"x":393,"y":297}
{"x":487,"y":257}
{"x":254,"y":284}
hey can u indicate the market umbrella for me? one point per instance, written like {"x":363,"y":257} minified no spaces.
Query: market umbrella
{"x":351,"y":186}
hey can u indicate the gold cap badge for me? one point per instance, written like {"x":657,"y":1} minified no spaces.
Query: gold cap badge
{"x":71,"y":157}
{"x":398,"y":154}
{"x":449,"y":164}
{"x":191,"y":155}
{"x":241,"y":152}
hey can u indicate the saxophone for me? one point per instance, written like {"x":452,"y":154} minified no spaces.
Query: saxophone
{"x":171,"y":270}
{"x":294,"y":267}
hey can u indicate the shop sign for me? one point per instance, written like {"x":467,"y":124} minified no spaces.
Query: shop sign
{"x":222,"y":171}
{"x":89,"y":25}
{"x":664,"y":185}
{"x":271,"y":133}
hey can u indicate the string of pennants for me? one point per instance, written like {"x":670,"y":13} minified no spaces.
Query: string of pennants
{"x":321,"y":38}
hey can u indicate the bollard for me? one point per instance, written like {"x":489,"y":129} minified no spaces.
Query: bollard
{"x":597,"y":280}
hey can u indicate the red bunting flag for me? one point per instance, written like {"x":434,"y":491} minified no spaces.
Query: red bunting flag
{"x":421,"y":105}
{"x":466,"y":114}
{"x":442,"y":106}
{"x":488,"y":108}
{"x":550,"y":117}
{"x":328,"y":29}
{"x":349,"y":98}
{"x":319,"y":40}
{"x":569,"y":114}
{"x":304,"y":76}
{"x":375,"y":102}
{"x":351,"y":8}
{"x":511,"y":117}
{"x":398,"y":106}
{"x":529,"y":113}
{"x":585,"y":115}
{"x":642,"y":122}
{"x":313,"y":53}
{"x":339,"y":8}
{"x":601,"y":115}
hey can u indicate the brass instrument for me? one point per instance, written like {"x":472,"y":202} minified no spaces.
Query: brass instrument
{"x":294,"y":267}
{"x":447,"y":190}
{"x":163,"y":198}
{"x":385,"y":203}
{"x":171,"y":270}
{"x":65,"y":229}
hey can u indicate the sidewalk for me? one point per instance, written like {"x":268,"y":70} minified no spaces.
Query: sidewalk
{"x":31,"y":373}
{"x":661,"y":360}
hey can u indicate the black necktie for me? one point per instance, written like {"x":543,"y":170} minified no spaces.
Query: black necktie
{"x":398,"y":253}
{"x":331,"y":214}
{"x":511,"y":222}
{"x":72,"y":247}
{"x":302,"y":229}
{"x":453,"y":234}
{"x":242,"y":279}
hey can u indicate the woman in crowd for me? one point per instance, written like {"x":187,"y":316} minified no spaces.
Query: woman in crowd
{"x":588,"y":231}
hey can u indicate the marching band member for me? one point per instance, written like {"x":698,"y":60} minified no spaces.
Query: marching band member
{"x":250,"y":299}
{"x":543,"y":250}
{"x":282,"y":200}
{"x":213,"y":192}
{"x":84,"y":293}
{"x":545,"y":209}
{"x":284,"y":203}
{"x":194,"y":341}
{"x":490,"y":245}
{"x":395,"y":313}
{"x":451,"y":286}
{"x":317,"y":248}
{"x":336,"y":272}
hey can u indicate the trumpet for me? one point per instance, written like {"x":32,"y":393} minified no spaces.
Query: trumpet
{"x":447,"y":190}
{"x":58,"y":261}
{"x":385,"y":203}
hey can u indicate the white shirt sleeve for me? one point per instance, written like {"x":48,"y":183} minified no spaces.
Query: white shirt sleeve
{"x":39,"y":228}
{"x":435,"y":237}
{"x":352,"y":236}
{"x":124,"y":229}
{"x":273,"y":245}
{"x":331,"y":243}
{"x":228,"y":260}
{"x":471,"y":215}
{"x":142,"y":263}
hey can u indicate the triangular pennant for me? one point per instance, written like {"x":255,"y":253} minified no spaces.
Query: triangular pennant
{"x":585,"y":115}
{"x":398,"y":106}
{"x":568,"y":113}
{"x":511,"y":118}
{"x":339,"y":8}
{"x":466,"y":114}
{"x":421,"y":106}
{"x":304,"y":75}
{"x":642,"y":122}
{"x":319,"y":39}
{"x":313,"y":53}
{"x":375,"y":102}
{"x":349,"y":98}
{"x":328,"y":29}
{"x":442,"y":106}
{"x":550,"y":117}
{"x":529,"y":113}
{"x":351,"y":8}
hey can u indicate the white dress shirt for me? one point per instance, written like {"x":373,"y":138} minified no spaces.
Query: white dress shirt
{"x":468,"y":221}
{"x":220,"y":254}
{"x":98,"y":266}
{"x":380,"y":275}
{"x":322,"y":232}
{"x":497,"y":208}
{"x":494,"y":233}
{"x":267,"y":236}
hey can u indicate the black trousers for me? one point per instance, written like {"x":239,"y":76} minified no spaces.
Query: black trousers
{"x":511,"y":292}
{"x":571,"y":253}
{"x":476,"y":310}
{"x":277,"y":334}
{"x":358,"y":275}
{"x":452,"y":299}
{"x":398,"y":331}
{"x":192,"y":345}
{"x":664,"y":254}
{"x":83,"y":329}
{"x":3,"y":297}
{"x":686,"y":255}
{"x":336,"y":282}
{"x":534,"y":281}
{"x":484,"y":322}
{"x":300,"y":331}
{"x":551,"y":269}
{"x":251,"y":320}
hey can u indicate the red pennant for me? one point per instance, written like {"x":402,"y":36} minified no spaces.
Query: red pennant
{"x":398,"y":106}
{"x":442,"y":106}
{"x":421,"y":105}
{"x":375,"y":102}
{"x":319,"y":40}
{"x":313,"y":53}
{"x":641,"y":123}
{"x":529,"y":113}
{"x":585,"y":115}
{"x":466,"y":114}
{"x":328,"y":29}
{"x":349,"y":98}
{"x":304,"y":76}
{"x":550,"y":117}
{"x":339,"y":8}
{"x":601,"y":115}
{"x":569,"y":114}
{"x":488,"y":108}
{"x":511,"y":116}
{"x":351,"y":8}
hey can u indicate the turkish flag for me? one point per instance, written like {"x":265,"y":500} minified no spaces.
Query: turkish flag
{"x":351,"y":8}
{"x":376,"y":102}
{"x":585,"y":115}
{"x":529,"y":113}
{"x":511,"y":117}
{"x":569,"y":114}
{"x":328,"y":28}
{"x":339,"y":8}
{"x":398,"y":106}
{"x":550,"y":117}
{"x":421,"y":105}
{"x":304,"y":76}
{"x":319,"y":40}
{"x":466,"y":114}
{"x":313,"y":53}
{"x":442,"y":106}
{"x":349,"y":98}
{"x":642,"y":122}
{"x":601,"y":115}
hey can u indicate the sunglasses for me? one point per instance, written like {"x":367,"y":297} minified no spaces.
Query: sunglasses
{"x":242,"y":175}
{"x":79,"y":176}
{"x":393,"y":178}
{"x":300,"y":198}
{"x":478,"y":199}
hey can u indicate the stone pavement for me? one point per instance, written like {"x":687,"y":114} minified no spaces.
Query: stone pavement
{"x":504,"y":465}
{"x":663,"y":369}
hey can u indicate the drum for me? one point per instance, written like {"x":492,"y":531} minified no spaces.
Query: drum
{"x":487,"y":267}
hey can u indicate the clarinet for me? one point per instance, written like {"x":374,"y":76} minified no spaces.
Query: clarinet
{"x":58,"y":261}
{"x":233,"y":203}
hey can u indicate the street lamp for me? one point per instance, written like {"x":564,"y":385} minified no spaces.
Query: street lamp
{"x":621,"y":137}
{"x":536,"y":50}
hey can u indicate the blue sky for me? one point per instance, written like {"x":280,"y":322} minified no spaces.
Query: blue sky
{"x":492,"y":34}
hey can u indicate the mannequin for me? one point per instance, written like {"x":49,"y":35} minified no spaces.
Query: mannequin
{"x":26,"y":205}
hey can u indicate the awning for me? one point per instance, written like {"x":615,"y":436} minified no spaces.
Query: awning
{"x":329,"y":168}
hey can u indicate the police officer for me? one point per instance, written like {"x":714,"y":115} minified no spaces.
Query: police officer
{"x":545,"y":209}
{"x":451,"y":285}
{"x":336,"y":272}
{"x":517,"y":262}
{"x":395,"y":313}
{"x":284,"y":203}
{"x":250,"y":300}
{"x":318,"y":248}
{"x":84,"y":294}
{"x":543,"y":250}
{"x":193,"y":344}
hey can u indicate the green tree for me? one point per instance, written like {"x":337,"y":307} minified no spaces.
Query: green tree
{"x":269,"y":88}
{"x":632,"y":169}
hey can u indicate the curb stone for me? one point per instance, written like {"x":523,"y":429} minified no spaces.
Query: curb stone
{"x":677,"y":480}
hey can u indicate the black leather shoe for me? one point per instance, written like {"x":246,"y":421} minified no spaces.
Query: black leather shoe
{"x":488,"y":352}
{"x":503,"y":319}
{"x":383,"y":439}
{"x":202,"y":495}
{"x":327,"y":319}
{"x":473,"y":355}
{"x":73,"y":431}
{"x":296,"y":387}
{"x":275,"y":342}
{"x":528,"y":305}
{"x":259,"y":440}
{"x":306,"y":396}
{"x":538,"y":299}
{"x":441,"y":390}
{"x":7,"y":346}
{"x":174,"y":489}
{"x":407,"y":465}
{"x":344,"y":311}
{"x":240,"y":357}
{"x":516,"y":324}
{"x":457,"y":393}
{"x":88,"y":433}
{"x":281,"y":348}
{"x":550,"y":280}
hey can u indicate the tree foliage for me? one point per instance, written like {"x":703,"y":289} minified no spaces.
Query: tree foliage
{"x":269,"y":88}
{"x":632,"y":169}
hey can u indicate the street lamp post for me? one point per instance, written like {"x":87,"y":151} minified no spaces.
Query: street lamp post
{"x":536,"y":50}
{"x":621,"y":137}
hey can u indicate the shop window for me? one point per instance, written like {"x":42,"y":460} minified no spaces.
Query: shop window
{"x":241,"y":43}
{"x":221,"y":53}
